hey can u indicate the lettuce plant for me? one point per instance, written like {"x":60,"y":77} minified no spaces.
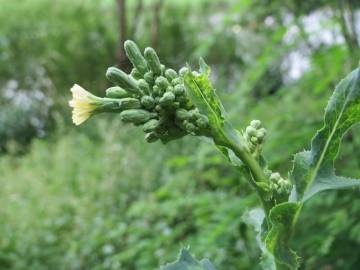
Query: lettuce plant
{"x":168,"y":105}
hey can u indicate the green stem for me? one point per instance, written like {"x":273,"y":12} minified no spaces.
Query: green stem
{"x":255,"y":168}
{"x":256,"y":172}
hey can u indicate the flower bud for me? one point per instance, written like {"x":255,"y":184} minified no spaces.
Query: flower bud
{"x":153,"y":60}
{"x":149,"y":77}
{"x":117,"y":92}
{"x":162,"y":68}
{"x":255,"y":124}
{"x":182,"y":114}
{"x":148,"y":102}
{"x":144,"y":86}
{"x":162,"y":82}
{"x":151,"y":125}
{"x":156,"y":90}
{"x":177,"y":81}
{"x":250,"y":131}
{"x":190,"y":127}
{"x":275,"y":177}
{"x":170,"y":74}
{"x":179,"y":89}
{"x":129,"y":103}
{"x":170,"y":89}
{"x":136,"y":116}
{"x":135,"y":74}
{"x":120,"y":78}
{"x":167,"y":99}
{"x":202,"y":122}
{"x":158,"y":108}
{"x":261,"y":133}
{"x":183,"y":71}
{"x":151,"y":137}
{"x":135,"y":56}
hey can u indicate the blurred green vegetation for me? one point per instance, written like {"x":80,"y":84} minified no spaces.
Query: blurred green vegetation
{"x":99,"y":197}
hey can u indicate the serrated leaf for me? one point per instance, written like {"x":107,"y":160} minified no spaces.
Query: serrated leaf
{"x":313,"y":170}
{"x":203,"y":95}
{"x":187,"y":262}
{"x":273,"y":242}
{"x":282,"y":218}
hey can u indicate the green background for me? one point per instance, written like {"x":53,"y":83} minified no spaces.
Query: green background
{"x":99,"y":197}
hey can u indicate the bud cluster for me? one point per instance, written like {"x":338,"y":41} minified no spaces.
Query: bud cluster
{"x":254,"y":135}
{"x":154,"y":97}
{"x":278,"y":184}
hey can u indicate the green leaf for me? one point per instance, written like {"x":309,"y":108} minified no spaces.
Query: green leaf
{"x":282,"y":218}
{"x":203,"y":95}
{"x":313,"y":170}
{"x":187,"y":262}
{"x":273,"y":241}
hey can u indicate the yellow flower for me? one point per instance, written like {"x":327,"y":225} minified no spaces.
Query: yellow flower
{"x":83,"y":103}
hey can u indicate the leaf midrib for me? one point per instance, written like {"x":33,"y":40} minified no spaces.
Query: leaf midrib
{"x":328,"y":141}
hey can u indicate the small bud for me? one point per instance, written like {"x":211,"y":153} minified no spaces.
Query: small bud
{"x":148,"y":102}
{"x":135,"y":74}
{"x":275,"y":177}
{"x":190,"y":127}
{"x":167,"y":99}
{"x":176,"y":105}
{"x":162,"y":67}
{"x":162,"y":82}
{"x":149,"y":77}
{"x":158,"y":108}
{"x":136,"y":116}
{"x":250,"y":131}
{"x":255,"y":124}
{"x":179,"y":89}
{"x":151,"y":125}
{"x":151,"y":137}
{"x":129,"y":103}
{"x":135,"y":56}
{"x":120,"y":78}
{"x":182,"y":114}
{"x":274,"y":186}
{"x":117,"y":92}
{"x":156,"y":90}
{"x":254,"y":140}
{"x":144,"y":86}
{"x":177,"y":81}
{"x":153,"y":60}
{"x":170,"y":74}
{"x":183,"y":71}
{"x":202,"y":122}
{"x":170,"y":89}
{"x":261,"y":133}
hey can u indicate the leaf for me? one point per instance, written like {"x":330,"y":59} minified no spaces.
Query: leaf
{"x":203,"y":95}
{"x":276,"y":254}
{"x":282,"y":218}
{"x":187,"y":262}
{"x":313,"y":170}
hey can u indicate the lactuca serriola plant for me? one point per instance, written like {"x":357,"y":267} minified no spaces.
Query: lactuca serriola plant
{"x":169,"y":105}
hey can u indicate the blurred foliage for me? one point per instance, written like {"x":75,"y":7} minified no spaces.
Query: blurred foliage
{"x":98,"y":197}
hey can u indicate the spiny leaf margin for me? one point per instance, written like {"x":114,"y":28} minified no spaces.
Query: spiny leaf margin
{"x":313,"y":171}
{"x":187,"y":262}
